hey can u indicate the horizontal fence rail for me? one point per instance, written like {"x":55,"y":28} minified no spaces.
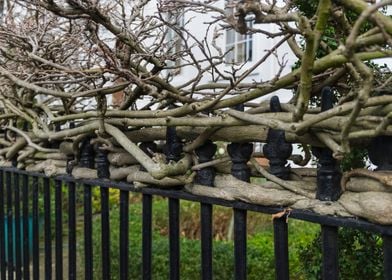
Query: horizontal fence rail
{"x":23,"y":257}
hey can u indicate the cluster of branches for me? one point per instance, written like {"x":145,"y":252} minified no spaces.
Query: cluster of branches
{"x":60,"y":61}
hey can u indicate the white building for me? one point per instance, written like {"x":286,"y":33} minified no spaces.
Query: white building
{"x":239,"y":49}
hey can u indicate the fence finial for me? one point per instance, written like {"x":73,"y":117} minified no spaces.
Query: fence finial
{"x":71,"y":157}
{"x":328,"y":172}
{"x":173,"y":147}
{"x":102,"y":162}
{"x":277,"y":150}
{"x":86,"y":153}
{"x":205,"y":176}
{"x":240,"y":154}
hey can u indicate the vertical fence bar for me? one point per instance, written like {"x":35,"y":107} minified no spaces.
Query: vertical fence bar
{"x":124,"y":228}
{"x":146,"y":236}
{"x":102,"y":166}
{"x":86,"y":160}
{"x":329,"y":239}
{"x":328,"y":169}
{"x":71,"y":231}
{"x":2,"y":235}
{"x":173,"y":149}
{"x":10,"y":253}
{"x":240,"y":244}
{"x":48,"y":235}
{"x":387,"y":245}
{"x":17,"y":234}
{"x":206,"y":240}
{"x":58,"y":230}
{"x":277,"y":151}
{"x":240,"y":154}
{"x":205,"y":176}
{"x":281,"y":249}
{"x":149,"y":148}
{"x":88,"y":245}
{"x":26,"y":226}
{"x":105,"y":233}
{"x":35,"y":230}
{"x":174,"y":238}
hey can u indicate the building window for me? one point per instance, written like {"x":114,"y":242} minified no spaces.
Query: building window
{"x":174,"y":39}
{"x":239,"y":47}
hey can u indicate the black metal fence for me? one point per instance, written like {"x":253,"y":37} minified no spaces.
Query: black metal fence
{"x":20,"y":200}
{"x":24,"y":195}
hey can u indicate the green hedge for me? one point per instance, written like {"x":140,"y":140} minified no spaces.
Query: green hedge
{"x":360,"y":253}
{"x":360,"y":256}
{"x":260,"y":252}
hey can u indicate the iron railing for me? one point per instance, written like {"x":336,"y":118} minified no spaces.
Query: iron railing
{"x":20,"y":192}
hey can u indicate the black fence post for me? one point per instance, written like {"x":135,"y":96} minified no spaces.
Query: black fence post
{"x":70,"y":164}
{"x":149,"y":148}
{"x":9,"y":233}
{"x":328,"y":172}
{"x":48,"y":229}
{"x":17,"y":226}
{"x":380,"y":154}
{"x":72,"y":230}
{"x":147,"y":236}
{"x":329,"y":239}
{"x":3,"y":245}
{"x":173,"y":150}
{"x":205,"y":176}
{"x":35,"y":209}
{"x":71,"y":157}
{"x":240,"y":154}
{"x":86,"y":153}
{"x":102,"y":165}
{"x":277,"y":151}
{"x":124,"y":234}
{"x":173,"y":147}
{"x":387,"y":247}
{"x":25,"y":221}
{"x":58,"y":229}
{"x":328,"y":189}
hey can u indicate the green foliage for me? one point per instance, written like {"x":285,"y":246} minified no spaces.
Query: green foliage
{"x":260,"y":245}
{"x":308,"y":8}
{"x":260,"y":253}
{"x":360,"y":253}
{"x":355,"y":159}
{"x":360,"y":256}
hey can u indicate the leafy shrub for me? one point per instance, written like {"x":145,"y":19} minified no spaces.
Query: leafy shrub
{"x":360,"y":256}
{"x":260,"y":249}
